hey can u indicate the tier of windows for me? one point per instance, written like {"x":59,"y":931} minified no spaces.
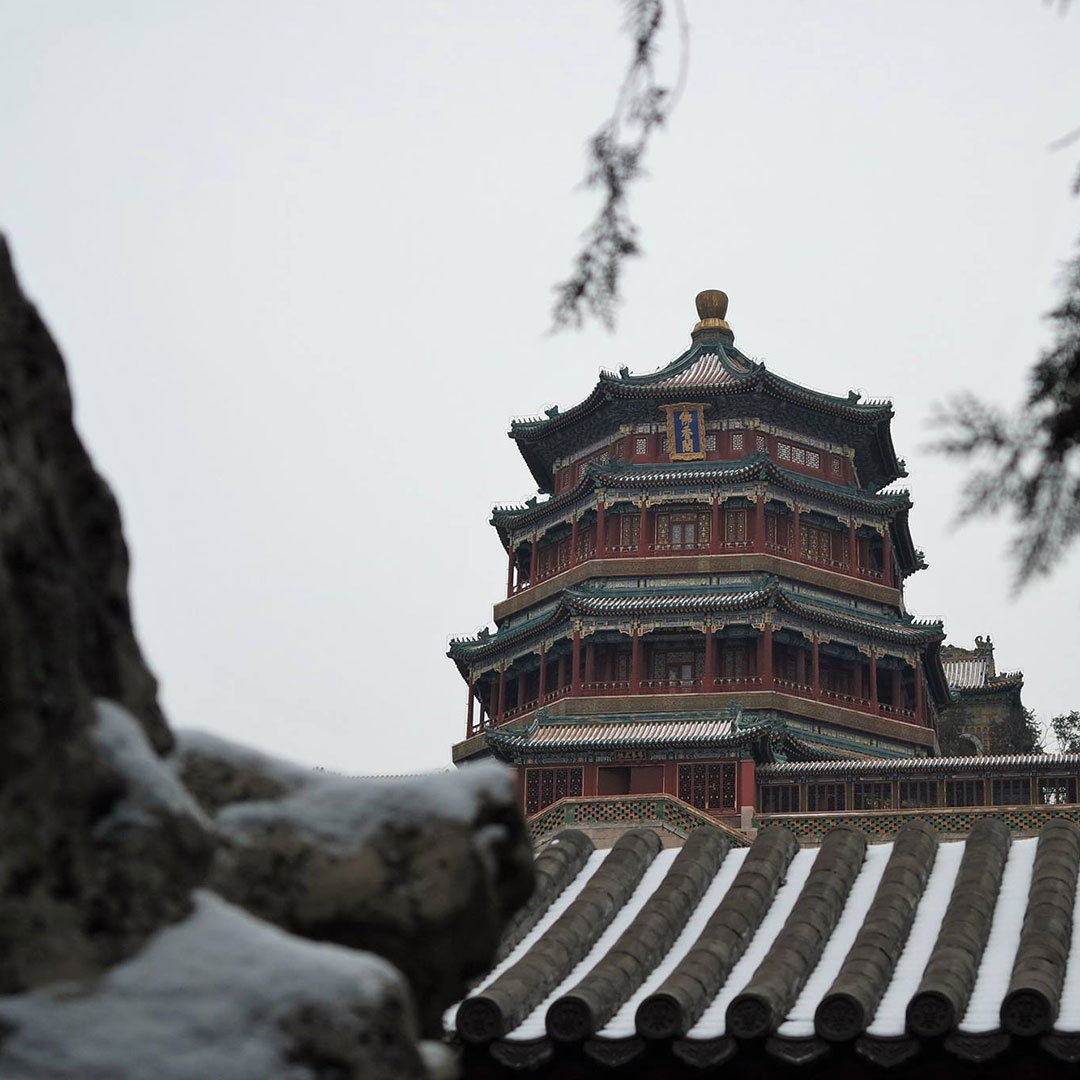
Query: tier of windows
{"x":730,"y":445}
{"x":709,"y":786}
{"x":914,"y":794}
{"x":611,"y":663}
{"x":736,"y":525}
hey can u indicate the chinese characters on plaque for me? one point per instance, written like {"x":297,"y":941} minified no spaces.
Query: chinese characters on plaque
{"x":686,"y":432}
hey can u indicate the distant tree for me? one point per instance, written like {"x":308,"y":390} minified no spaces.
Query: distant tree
{"x":1030,"y":459}
{"x":1066,"y":729}
{"x":1017,"y":732}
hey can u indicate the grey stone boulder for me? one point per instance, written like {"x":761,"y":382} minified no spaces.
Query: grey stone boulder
{"x":422,"y":871}
{"x":223,"y":995}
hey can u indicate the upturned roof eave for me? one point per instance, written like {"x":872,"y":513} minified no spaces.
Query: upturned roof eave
{"x":584,"y":603}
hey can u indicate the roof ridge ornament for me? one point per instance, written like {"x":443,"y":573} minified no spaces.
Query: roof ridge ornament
{"x":711,"y":329}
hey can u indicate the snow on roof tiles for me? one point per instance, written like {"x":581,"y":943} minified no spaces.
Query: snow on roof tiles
{"x":943,"y":919}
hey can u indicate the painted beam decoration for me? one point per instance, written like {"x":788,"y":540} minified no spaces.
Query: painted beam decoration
{"x":686,"y":431}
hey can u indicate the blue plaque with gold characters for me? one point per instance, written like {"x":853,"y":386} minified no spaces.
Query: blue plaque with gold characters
{"x":685,"y":432}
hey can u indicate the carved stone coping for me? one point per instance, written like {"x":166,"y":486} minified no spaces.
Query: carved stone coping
{"x":679,"y":1001}
{"x":496,"y":1011}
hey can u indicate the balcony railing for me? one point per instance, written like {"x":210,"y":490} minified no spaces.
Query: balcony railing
{"x":594,"y":689}
{"x":676,"y":685}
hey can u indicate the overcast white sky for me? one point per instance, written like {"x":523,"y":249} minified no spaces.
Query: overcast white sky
{"x":299,"y":259}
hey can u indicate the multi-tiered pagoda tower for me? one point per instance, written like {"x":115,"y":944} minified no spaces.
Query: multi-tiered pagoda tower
{"x":714,"y":577}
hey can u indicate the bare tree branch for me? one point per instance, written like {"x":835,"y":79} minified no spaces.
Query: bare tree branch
{"x":614,"y":162}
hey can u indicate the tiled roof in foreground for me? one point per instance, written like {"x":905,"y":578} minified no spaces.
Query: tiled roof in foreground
{"x":708,"y":952}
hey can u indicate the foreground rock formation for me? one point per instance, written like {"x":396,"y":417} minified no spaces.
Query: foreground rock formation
{"x":185,"y":907}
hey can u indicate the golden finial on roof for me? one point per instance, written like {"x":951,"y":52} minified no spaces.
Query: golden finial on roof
{"x":712,"y":309}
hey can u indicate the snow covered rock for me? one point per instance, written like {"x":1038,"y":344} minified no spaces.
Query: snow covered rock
{"x":424,"y":871}
{"x":219,"y":995}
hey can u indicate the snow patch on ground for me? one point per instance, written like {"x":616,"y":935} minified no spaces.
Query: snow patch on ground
{"x":204,"y":998}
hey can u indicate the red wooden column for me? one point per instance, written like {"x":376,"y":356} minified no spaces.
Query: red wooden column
{"x":765,"y":656}
{"x":534,"y":559}
{"x":796,"y":538}
{"x":635,"y":661}
{"x":714,"y":526}
{"x":815,"y":656}
{"x":573,"y":541}
{"x":873,"y":680}
{"x":575,"y":666}
{"x":886,"y":559}
{"x":590,"y":661}
{"x":542,"y":689}
{"x":502,"y":696}
{"x":710,"y":659}
{"x":920,"y":717}
{"x":469,"y":722}
{"x":601,"y":531}
{"x":643,"y":528}
{"x":759,"y":524}
{"x":510,"y":571}
{"x":853,"y":551}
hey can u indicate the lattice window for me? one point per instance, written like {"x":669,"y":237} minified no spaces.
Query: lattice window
{"x":798,"y":455}
{"x":708,"y":787}
{"x":710,"y":442}
{"x":813,"y":459}
{"x":818,"y":544}
{"x":780,"y":798}
{"x":1056,"y":790}
{"x":964,"y":793}
{"x":825,"y":797}
{"x":783,"y":451}
{"x":917,"y":793}
{"x":664,"y":445}
{"x":641,"y":447}
{"x":737,"y":440}
{"x":759,"y":443}
{"x":629,"y":530}
{"x":872,"y":796}
{"x":734,"y":526}
{"x":836,"y":465}
{"x":545,"y":786}
{"x":1010,"y":791}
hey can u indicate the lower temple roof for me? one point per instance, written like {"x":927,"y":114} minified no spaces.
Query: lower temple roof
{"x":891,"y":950}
